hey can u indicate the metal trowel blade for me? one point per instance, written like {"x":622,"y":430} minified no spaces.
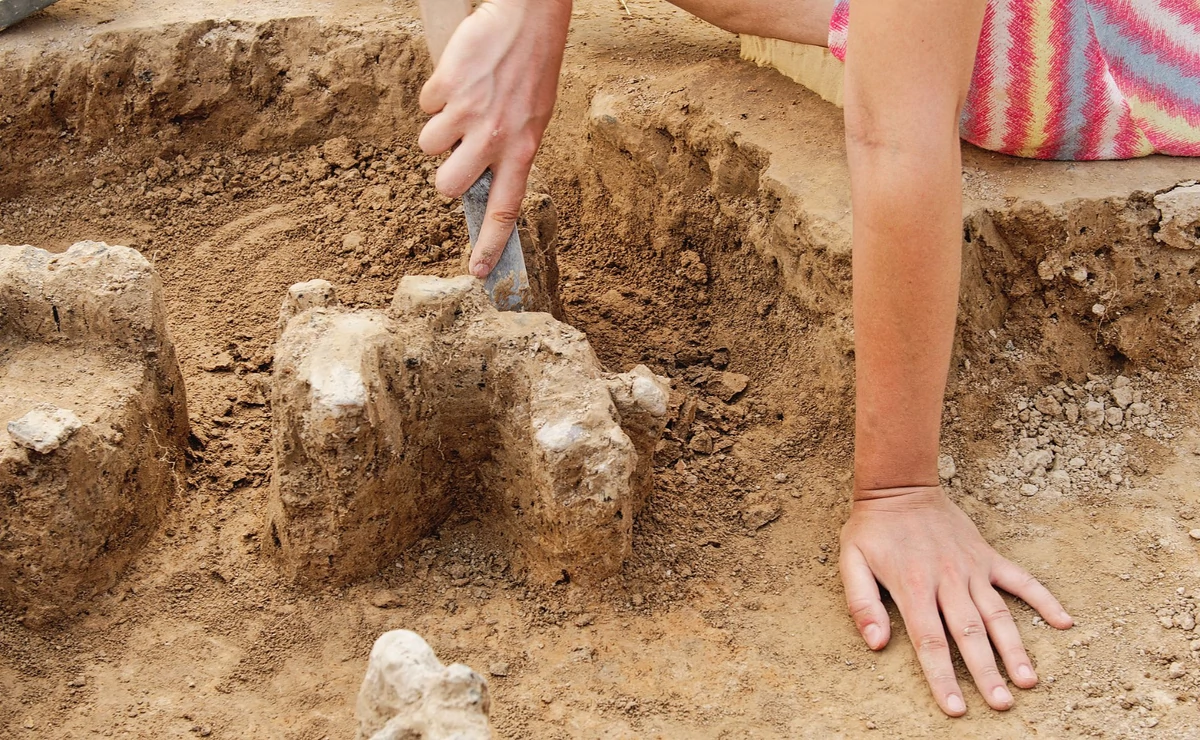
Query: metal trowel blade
{"x":508,"y":283}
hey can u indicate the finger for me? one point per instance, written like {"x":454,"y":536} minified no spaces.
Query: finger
{"x":504,"y":207}
{"x":462,"y":168}
{"x":1018,"y":582}
{"x":971,"y":636}
{"x":925,"y":630}
{"x":862,"y":597}
{"x":1003,"y":631}
{"x":433,"y":94}
{"x":440,"y":134}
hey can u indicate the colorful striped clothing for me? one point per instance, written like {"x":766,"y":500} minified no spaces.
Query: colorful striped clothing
{"x":1080,"y":79}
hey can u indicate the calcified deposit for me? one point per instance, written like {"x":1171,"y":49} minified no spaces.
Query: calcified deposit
{"x":386,"y":421}
{"x":96,"y":422}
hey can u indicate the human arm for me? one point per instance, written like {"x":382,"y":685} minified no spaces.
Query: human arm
{"x":908,"y":67}
{"x":492,"y":94}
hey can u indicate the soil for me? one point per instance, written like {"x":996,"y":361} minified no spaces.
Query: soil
{"x":728,"y":620}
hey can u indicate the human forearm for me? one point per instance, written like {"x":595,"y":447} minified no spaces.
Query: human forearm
{"x":904,"y":88}
{"x":907,"y":260}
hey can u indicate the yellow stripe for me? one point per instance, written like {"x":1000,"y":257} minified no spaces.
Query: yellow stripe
{"x":1149,"y":115}
{"x":1040,"y":102}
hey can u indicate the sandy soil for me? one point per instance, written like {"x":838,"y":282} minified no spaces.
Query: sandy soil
{"x":728,"y":621}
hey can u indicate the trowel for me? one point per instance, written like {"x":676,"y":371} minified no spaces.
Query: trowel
{"x":12,"y":11}
{"x":508,"y":283}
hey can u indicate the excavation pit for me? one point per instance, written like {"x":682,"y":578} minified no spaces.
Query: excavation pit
{"x":697,"y":208}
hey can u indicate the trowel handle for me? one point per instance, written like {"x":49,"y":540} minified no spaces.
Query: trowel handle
{"x":441,"y":19}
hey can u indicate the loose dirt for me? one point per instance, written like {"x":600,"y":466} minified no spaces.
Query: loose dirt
{"x":215,"y":148}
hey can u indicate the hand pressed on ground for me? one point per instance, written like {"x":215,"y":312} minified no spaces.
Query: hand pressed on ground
{"x":492,"y":95}
{"x":932,"y":560}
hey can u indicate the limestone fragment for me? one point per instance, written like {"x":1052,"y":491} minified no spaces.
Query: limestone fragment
{"x":1179,"y":225}
{"x":45,"y":428}
{"x":94,"y":407}
{"x":946,"y":467}
{"x":386,"y":422}
{"x":1093,"y":413}
{"x":408,"y":694}
{"x":1122,"y":396}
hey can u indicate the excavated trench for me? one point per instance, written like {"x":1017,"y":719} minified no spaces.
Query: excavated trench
{"x":243,"y":157}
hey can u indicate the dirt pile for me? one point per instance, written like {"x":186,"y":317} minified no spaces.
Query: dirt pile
{"x":384,"y":422}
{"x":409,"y":695}
{"x":96,"y":421}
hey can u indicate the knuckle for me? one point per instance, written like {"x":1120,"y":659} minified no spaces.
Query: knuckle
{"x":973,"y":628}
{"x":987,"y":672}
{"x":999,"y":614}
{"x":505,"y":215}
{"x":862,"y":609}
{"x":930,"y":644}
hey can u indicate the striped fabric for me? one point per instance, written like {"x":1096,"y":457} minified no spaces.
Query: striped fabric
{"x":1080,"y":79}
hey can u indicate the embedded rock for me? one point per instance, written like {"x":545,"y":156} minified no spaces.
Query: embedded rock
{"x":95,"y":421}
{"x":384,"y":422}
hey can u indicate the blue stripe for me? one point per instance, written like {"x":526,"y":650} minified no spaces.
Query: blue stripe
{"x":1146,"y":66}
{"x":1079,"y":35}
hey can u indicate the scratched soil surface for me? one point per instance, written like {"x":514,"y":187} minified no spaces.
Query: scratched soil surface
{"x":242,"y":151}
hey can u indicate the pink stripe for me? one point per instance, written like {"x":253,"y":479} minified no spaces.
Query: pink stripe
{"x":1161,"y":97}
{"x":1098,"y":106}
{"x":1060,"y":41}
{"x":1127,"y":136}
{"x":1150,"y":40}
{"x":981,"y":95}
{"x":1186,"y":12}
{"x":1020,"y":66}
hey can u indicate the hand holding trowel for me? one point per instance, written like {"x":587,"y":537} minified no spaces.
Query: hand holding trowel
{"x":508,"y":283}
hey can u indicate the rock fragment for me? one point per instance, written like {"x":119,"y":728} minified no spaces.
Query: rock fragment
{"x":1093,"y":413}
{"x":408,"y":694}
{"x":946,"y":467}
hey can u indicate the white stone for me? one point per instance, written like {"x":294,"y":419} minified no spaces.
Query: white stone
{"x":44,"y":428}
{"x":946,"y":467}
{"x":408,"y":694}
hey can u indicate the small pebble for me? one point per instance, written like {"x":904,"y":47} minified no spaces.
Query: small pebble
{"x":1194,"y":534}
{"x":499,"y":669}
{"x":1028,"y":489}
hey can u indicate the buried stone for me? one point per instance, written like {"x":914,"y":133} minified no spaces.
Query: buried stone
{"x":386,"y":422}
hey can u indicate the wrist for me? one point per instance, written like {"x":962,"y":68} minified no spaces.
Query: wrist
{"x":912,"y":494}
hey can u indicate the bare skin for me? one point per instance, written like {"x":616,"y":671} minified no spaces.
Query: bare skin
{"x":907,"y":71}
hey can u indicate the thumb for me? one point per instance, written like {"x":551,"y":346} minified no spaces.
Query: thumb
{"x":503,"y":210}
{"x":862,"y":597}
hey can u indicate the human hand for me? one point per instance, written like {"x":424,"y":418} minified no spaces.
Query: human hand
{"x":932,"y":560}
{"x":492,"y":94}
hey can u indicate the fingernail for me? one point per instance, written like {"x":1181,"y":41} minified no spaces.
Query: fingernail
{"x":1025,"y":673}
{"x":955,"y":704}
{"x":1065,"y":617}
{"x":479,"y":270}
{"x":1001,"y":696}
{"x":872,"y":633}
